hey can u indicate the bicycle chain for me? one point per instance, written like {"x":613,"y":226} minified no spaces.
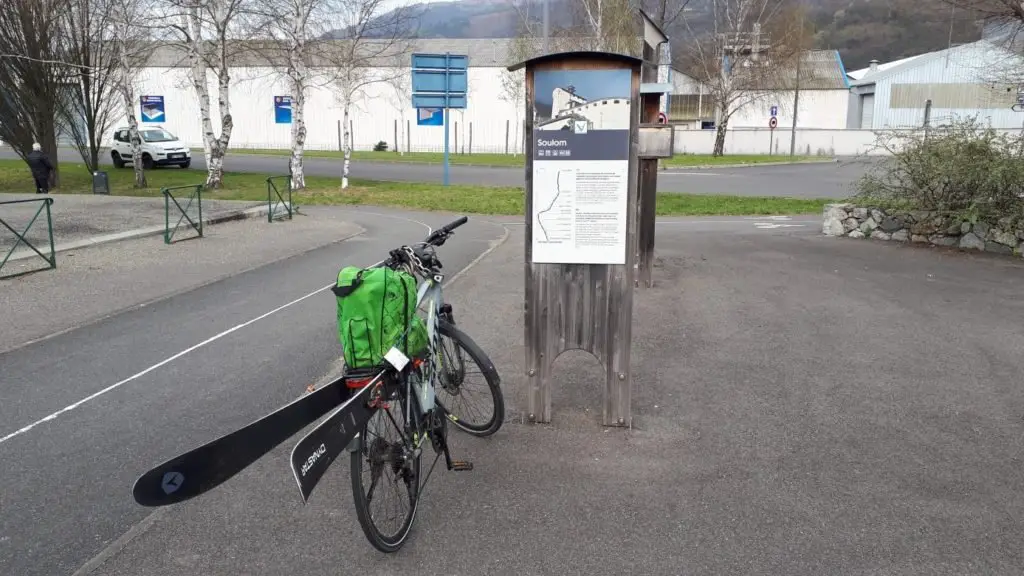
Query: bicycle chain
{"x":416,"y":262}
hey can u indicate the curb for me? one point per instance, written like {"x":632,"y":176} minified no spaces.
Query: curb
{"x":747,"y":165}
{"x":254,"y":212}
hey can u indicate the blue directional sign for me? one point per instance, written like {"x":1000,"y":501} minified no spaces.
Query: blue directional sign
{"x":439,"y":82}
{"x":775,"y":111}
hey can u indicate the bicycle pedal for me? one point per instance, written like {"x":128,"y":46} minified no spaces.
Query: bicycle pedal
{"x":461,"y":465}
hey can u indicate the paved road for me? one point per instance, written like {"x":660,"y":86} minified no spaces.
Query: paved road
{"x":829,"y":180}
{"x":66,"y":482}
{"x":803,"y":405}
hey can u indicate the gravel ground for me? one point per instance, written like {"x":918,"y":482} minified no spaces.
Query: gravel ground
{"x":91,"y":283}
{"x":80,"y":216}
{"x":803,"y":405}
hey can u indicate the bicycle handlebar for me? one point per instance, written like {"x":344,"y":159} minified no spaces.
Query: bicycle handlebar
{"x":437,"y":237}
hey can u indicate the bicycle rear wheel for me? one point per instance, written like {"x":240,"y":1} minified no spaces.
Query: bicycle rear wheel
{"x":386,"y":478}
{"x":456,"y":395}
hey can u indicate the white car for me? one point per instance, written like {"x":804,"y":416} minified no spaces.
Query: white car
{"x":159,"y":148}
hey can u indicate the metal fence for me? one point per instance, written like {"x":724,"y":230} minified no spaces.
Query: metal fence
{"x":196,"y":224}
{"x":22,"y":237}
{"x":277,"y":205}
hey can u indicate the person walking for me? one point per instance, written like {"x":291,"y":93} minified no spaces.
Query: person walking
{"x":41,"y":168}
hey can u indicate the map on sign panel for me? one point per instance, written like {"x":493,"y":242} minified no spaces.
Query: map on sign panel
{"x":555,"y":216}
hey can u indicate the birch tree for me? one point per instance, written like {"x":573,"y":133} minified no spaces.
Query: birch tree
{"x":128,"y":24}
{"x":204,"y":29}
{"x":400,"y":82}
{"x":370,"y":37}
{"x":732,"y":59}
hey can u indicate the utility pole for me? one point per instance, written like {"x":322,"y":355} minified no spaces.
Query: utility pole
{"x":796,"y":92}
{"x":547,"y":26}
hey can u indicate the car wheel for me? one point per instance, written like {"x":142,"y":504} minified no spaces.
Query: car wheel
{"x":147,"y":161}
{"x":186,"y":164}
{"x":116,"y":158}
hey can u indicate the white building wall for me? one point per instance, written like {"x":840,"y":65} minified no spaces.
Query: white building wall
{"x":977,"y":63}
{"x":819,"y":109}
{"x":373,"y":117}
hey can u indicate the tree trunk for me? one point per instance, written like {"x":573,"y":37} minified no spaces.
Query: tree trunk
{"x":298,"y":135}
{"x":227,"y":126}
{"x":720,"y":139}
{"x":348,"y":147}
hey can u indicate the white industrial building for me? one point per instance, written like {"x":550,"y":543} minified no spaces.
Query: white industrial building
{"x":979,"y":79}
{"x":568,"y":107}
{"x":824,"y":93}
{"x":382,"y":111}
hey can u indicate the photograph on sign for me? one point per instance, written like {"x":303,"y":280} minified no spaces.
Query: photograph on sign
{"x":581,"y":166}
{"x":152,"y":109}
{"x":429,"y":117}
{"x":283,"y":109}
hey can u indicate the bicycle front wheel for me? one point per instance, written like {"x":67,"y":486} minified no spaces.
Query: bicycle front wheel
{"x":386,"y":478}
{"x":473,"y":406}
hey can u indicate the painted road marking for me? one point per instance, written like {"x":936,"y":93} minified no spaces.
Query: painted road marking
{"x":769,"y":225}
{"x":210,"y":340}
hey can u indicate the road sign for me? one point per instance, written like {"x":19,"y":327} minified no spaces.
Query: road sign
{"x":775,"y":111}
{"x":440,"y":81}
{"x":662,"y":119}
{"x":773,"y":122}
{"x":430,"y":116}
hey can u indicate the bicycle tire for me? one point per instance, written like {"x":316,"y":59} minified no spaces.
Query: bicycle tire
{"x":383,"y":542}
{"x":480,"y":358}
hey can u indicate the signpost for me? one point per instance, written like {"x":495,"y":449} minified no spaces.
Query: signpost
{"x":773,"y":123}
{"x":439,"y":82}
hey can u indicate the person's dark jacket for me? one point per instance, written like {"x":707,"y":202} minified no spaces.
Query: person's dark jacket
{"x":39,"y":164}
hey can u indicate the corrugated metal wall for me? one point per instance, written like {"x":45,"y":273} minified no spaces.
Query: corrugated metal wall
{"x":972,"y":80}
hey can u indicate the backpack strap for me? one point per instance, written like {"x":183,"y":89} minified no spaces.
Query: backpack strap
{"x":343,"y":291}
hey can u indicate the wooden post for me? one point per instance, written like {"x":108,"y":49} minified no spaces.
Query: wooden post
{"x":408,"y":136}
{"x":581,"y":207}
{"x":506,"y":136}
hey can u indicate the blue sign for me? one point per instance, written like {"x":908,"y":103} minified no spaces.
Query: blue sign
{"x":153,"y":109}
{"x":775,"y":111}
{"x":430,"y":116}
{"x":283,"y":109}
{"x":439,"y":82}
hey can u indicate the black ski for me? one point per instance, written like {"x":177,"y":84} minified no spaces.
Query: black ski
{"x":317,"y":450}
{"x":204,"y":468}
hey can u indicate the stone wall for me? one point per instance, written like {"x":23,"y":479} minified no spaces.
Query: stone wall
{"x":924,"y":227}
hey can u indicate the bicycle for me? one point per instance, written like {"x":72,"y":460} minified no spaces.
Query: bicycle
{"x":407,"y":386}
{"x":352,"y":401}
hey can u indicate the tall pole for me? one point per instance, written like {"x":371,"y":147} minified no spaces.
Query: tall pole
{"x":796,"y":94}
{"x":547,"y":25}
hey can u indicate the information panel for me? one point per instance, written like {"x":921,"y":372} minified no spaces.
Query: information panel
{"x":581,"y":166}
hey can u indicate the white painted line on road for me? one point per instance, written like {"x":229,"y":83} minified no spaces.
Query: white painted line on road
{"x":769,"y":225}
{"x":767,"y":218}
{"x":681,"y":173}
{"x":183,"y":352}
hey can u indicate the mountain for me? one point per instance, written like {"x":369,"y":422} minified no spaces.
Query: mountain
{"x":861,"y":30}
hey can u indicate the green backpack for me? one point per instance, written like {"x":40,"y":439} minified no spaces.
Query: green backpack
{"x":375,"y":308}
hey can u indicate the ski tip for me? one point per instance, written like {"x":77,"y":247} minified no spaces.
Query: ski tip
{"x":161,"y":487}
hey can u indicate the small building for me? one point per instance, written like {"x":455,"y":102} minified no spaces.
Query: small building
{"x":979,"y":80}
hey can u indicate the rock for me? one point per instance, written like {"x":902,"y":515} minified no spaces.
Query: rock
{"x":926,"y":227}
{"x":970,"y":241}
{"x":877,"y":214}
{"x":918,"y":238}
{"x":981,"y":229}
{"x":851,"y":224}
{"x":920,"y":215}
{"x":900,"y":236}
{"x":860,"y":213}
{"x":998,"y":248}
{"x":879,"y":235}
{"x":953,"y":229}
{"x":890,"y":224}
{"x":965,"y":227}
{"x":1006,"y":222}
{"x":1020,"y":233}
{"x":940,"y":240}
{"x":856,"y":234}
{"x":868,"y":225}
{"x":833,"y":227}
{"x":1005,"y":238}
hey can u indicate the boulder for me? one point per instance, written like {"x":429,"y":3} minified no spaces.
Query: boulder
{"x":851,"y":224}
{"x":998,"y":248}
{"x":879,"y":235}
{"x":1004,"y":237}
{"x":890,"y":224}
{"x":941,"y":240}
{"x":856,"y":234}
{"x":970,"y":241}
{"x":860,"y":213}
{"x":918,"y":238}
{"x":900,"y":235}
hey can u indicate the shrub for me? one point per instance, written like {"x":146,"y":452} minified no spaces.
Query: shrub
{"x":961,"y":168}
{"x":381,"y":146}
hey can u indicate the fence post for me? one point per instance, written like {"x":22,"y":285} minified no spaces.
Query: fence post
{"x":396,"y":136}
{"x":408,"y":137}
{"x":456,"y":136}
{"x":197,"y":196}
{"x":506,"y":136}
{"x":470,"y":137}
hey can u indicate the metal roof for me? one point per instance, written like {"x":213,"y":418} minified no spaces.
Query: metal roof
{"x":482,"y":52}
{"x":999,"y":43}
{"x":819,"y":70}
